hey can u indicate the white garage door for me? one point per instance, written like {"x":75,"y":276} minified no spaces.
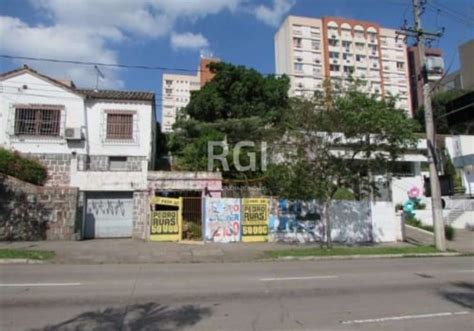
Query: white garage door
{"x":109,"y":215}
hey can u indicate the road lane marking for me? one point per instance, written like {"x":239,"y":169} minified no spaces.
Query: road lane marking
{"x":296,"y":278}
{"x":39,"y":284}
{"x":405,"y":317}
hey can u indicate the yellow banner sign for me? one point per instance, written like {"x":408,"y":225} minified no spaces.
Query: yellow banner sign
{"x":166,"y":222}
{"x":255,"y":220}
{"x":165,"y":201}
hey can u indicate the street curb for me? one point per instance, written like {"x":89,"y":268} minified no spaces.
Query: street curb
{"x":360,"y":257}
{"x":21,"y":261}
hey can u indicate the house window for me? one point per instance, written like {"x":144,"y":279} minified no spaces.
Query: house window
{"x":37,"y":121}
{"x":117,"y":162}
{"x":119,"y":126}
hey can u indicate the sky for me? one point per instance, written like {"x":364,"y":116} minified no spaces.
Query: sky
{"x":173,"y":33}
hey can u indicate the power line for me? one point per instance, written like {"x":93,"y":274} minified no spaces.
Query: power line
{"x":102,"y":64}
{"x":161,"y":68}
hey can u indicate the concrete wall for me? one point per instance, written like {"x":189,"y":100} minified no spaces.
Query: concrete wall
{"x":210,"y":182}
{"x":29,"y":212}
{"x":461,"y":151}
{"x":352,"y":222}
{"x":141,"y":215}
{"x":386,"y":227}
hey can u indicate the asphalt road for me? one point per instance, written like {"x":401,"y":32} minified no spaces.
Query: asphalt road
{"x":389,"y":294}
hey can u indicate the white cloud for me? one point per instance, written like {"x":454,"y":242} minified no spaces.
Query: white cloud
{"x":189,"y":41}
{"x":88,"y":30}
{"x":273,"y":16}
{"x":59,"y":42}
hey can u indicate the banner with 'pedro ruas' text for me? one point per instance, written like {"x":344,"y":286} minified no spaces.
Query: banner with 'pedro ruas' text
{"x":255,"y":219}
{"x":166,"y":223}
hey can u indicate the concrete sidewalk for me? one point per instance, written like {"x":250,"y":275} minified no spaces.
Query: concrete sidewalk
{"x":134,"y":251}
{"x":463,"y":240}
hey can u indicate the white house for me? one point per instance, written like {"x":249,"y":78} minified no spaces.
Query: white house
{"x":101,"y":141}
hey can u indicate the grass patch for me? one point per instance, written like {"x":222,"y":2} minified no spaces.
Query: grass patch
{"x":25,"y":254}
{"x":344,"y":251}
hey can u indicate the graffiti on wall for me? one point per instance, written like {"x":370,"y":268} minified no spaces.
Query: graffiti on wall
{"x":222,"y":220}
{"x":112,"y":207}
{"x":295,"y":221}
{"x":255,"y":220}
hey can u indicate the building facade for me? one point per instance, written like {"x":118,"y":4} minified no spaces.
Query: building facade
{"x":313,"y":50}
{"x":176,"y":95}
{"x":434,"y":72}
{"x":177,"y":91}
{"x":99,"y":141}
{"x":464,"y":77}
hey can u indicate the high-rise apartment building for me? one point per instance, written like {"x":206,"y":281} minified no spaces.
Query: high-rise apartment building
{"x":312,"y":50}
{"x":176,"y":91}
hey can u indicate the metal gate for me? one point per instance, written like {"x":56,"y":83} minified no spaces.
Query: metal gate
{"x":192,"y":210}
{"x":108,"y":215}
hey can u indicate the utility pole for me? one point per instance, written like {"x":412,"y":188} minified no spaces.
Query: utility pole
{"x":421,"y":37}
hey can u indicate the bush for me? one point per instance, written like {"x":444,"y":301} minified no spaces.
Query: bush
{"x":192,"y":231}
{"x":449,"y":231}
{"x":26,"y":169}
{"x":343,"y":194}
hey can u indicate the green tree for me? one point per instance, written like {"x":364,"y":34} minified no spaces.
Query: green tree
{"x":335,"y":144}
{"x":439,"y":102}
{"x":237,"y":104}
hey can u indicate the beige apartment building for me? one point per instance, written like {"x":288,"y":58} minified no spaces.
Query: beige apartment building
{"x":176,"y":91}
{"x":312,"y":50}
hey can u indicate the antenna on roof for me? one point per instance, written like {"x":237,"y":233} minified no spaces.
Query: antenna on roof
{"x":99,"y":75}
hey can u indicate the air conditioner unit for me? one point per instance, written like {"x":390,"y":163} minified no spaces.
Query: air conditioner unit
{"x":348,"y":50}
{"x":334,"y":61}
{"x":73,"y":134}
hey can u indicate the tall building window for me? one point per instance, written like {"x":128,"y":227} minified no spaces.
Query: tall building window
{"x":333,"y":55}
{"x":348,"y":69}
{"x":334,"y":67}
{"x":333,"y":42}
{"x":316,"y":44}
{"x":298,"y":67}
{"x":297,"y":42}
{"x":400,"y":65}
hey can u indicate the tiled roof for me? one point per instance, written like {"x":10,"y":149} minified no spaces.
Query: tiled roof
{"x":117,"y":95}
